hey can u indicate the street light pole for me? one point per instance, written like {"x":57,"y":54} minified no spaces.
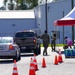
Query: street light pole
{"x":72,"y":4}
{"x":46,"y":15}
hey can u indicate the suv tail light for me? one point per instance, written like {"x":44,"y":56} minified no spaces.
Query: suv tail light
{"x":11,"y":47}
{"x":34,"y":40}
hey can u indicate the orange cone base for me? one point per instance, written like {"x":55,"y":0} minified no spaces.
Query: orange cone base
{"x":60,"y":59}
{"x":36,"y":68}
{"x":32,"y":72}
{"x":43,"y":66}
{"x":15,"y":74}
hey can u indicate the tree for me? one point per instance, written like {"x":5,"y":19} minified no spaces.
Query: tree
{"x":28,"y":4}
{"x":23,"y":4}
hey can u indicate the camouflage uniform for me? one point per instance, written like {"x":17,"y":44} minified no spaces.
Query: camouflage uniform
{"x":53,"y":42}
{"x":46,"y":41}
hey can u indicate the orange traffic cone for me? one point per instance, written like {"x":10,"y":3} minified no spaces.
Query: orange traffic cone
{"x":43,"y":63}
{"x":15,"y":72}
{"x":35,"y":63}
{"x":32,"y":70}
{"x":55,"y":61}
{"x":60,"y":60}
{"x":59,"y":52}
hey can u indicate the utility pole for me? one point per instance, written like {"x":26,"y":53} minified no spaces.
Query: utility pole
{"x":22,"y":5}
{"x":11,"y":5}
{"x":63,"y":29}
{"x":72,"y":4}
{"x":46,"y":15}
{"x":17,"y":4}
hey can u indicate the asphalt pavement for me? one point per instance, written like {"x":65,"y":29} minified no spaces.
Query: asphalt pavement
{"x":67,"y":67}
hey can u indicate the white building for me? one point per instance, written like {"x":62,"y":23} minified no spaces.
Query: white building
{"x":55,"y":10}
{"x":48,"y":1}
{"x":12,"y":21}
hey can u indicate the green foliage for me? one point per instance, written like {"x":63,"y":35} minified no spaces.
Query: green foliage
{"x":31,"y":3}
{"x":24,"y":4}
{"x":56,"y":45}
{"x":19,"y":1}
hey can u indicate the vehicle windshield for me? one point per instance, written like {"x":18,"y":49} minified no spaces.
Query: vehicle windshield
{"x":5,"y":41}
{"x":25,"y":34}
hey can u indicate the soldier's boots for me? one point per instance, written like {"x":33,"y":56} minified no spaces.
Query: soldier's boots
{"x":44,"y":52}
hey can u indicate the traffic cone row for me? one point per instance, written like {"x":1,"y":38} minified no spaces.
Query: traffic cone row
{"x":34,"y":66}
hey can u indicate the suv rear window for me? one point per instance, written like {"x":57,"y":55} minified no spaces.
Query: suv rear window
{"x":24,"y":34}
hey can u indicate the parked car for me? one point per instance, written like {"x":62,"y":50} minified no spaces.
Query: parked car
{"x":8,"y":49}
{"x":28,"y":42}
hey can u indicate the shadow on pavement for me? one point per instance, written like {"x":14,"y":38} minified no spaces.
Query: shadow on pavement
{"x":4,"y":61}
{"x":27,"y":54}
{"x":62,"y":52}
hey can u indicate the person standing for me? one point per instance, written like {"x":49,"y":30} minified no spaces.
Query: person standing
{"x":53,"y":41}
{"x":69,"y":42}
{"x":46,"y":40}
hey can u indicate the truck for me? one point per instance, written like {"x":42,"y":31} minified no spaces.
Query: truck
{"x":28,"y":41}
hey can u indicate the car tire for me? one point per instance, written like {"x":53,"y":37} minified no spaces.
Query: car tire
{"x":37,"y":51}
{"x":19,"y":58}
{"x":15,"y":57}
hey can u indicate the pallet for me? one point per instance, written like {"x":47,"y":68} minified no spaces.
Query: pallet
{"x":69,"y":56}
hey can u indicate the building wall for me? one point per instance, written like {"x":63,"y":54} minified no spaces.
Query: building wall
{"x":74,"y":26}
{"x":8,"y":27}
{"x":55,"y":11}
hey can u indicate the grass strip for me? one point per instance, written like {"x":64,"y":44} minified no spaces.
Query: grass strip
{"x":56,"y":45}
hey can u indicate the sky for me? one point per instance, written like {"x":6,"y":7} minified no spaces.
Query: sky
{"x":1,"y":3}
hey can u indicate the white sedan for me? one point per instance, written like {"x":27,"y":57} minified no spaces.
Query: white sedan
{"x":8,"y":49}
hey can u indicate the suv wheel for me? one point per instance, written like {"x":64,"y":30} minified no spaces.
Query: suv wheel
{"x":15,"y":57}
{"x":19,"y":58}
{"x":37,"y":51}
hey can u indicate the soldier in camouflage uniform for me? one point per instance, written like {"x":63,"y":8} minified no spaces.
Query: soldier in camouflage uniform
{"x":53,"y":42}
{"x":46,"y":41}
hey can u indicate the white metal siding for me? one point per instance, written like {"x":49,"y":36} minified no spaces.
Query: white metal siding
{"x":9,"y":26}
{"x":54,"y":12}
{"x":17,"y":14}
{"x":74,"y":26}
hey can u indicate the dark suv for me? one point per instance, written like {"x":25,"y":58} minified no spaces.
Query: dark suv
{"x":28,"y":41}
